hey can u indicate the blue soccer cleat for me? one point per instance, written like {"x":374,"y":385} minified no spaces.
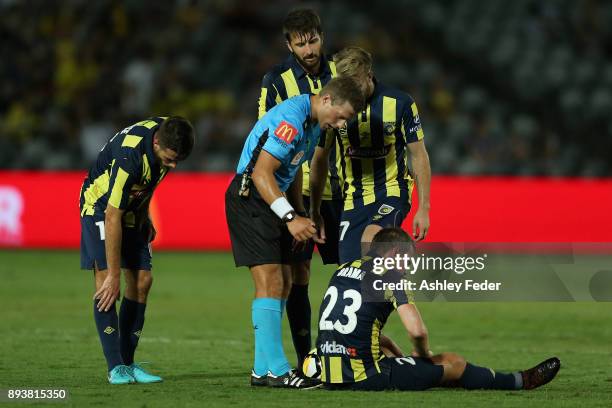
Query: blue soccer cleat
{"x":121,"y":374}
{"x":142,"y":376}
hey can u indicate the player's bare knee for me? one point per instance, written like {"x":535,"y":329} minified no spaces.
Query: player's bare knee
{"x":368,"y":235}
{"x":452,"y":359}
{"x":145,"y":281}
{"x":130,"y":277}
{"x":369,"y":232}
{"x":460,"y":360}
{"x":454,"y":366}
{"x":99,"y":276}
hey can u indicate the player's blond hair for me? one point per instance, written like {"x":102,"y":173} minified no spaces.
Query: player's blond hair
{"x":353,"y":62}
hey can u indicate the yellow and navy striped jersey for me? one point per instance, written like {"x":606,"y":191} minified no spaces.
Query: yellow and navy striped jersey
{"x":353,"y":312}
{"x":125,"y":174}
{"x":289,"y":79}
{"x":374,"y":144}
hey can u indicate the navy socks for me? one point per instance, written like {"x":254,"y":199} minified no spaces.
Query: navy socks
{"x":475,"y":377}
{"x":108,"y":331}
{"x":131,"y":322}
{"x":299,"y":314}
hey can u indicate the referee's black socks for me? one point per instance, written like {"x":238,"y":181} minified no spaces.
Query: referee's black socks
{"x":298,"y":314}
{"x":475,"y":378}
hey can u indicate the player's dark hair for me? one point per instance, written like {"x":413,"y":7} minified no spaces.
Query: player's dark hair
{"x":301,"y":22}
{"x":388,"y":238}
{"x":344,"y":89}
{"x":176,"y":133}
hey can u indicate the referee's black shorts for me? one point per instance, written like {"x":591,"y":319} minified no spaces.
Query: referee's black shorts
{"x":258,"y":236}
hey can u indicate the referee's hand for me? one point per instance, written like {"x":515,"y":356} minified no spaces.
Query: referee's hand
{"x":301,"y":228}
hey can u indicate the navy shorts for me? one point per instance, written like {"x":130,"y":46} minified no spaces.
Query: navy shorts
{"x":388,"y":212}
{"x":330,"y":211}
{"x":398,"y":373}
{"x":135,"y":248}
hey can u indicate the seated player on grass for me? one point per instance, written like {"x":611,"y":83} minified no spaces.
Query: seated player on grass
{"x":355,"y":355}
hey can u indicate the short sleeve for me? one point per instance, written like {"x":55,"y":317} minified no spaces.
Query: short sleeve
{"x":411,"y":123}
{"x":401,"y":295}
{"x":268,"y":95}
{"x":282,"y":138}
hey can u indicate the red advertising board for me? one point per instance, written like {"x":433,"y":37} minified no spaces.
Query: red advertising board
{"x":40,"y":209}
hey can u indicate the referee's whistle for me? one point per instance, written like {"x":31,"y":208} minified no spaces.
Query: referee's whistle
{"x":245,"y":186}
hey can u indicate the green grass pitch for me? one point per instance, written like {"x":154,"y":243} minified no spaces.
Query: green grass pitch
{"x":198,"y":337}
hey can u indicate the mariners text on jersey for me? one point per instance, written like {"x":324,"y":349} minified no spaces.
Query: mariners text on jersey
{"x":374,"y":157}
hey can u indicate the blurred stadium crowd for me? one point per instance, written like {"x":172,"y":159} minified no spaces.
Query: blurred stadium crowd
{"x":520,"y":87}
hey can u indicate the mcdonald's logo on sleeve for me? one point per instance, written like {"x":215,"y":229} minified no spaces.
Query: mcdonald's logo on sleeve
{"x":286,"y":132}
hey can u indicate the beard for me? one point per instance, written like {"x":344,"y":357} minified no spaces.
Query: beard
{"x":310,"y":62}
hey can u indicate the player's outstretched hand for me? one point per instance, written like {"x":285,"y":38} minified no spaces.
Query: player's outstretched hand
{"x":420,"y":224}
{"x":319,"y":237}
{"x":108,"y":293}
{"x":302,"y":228}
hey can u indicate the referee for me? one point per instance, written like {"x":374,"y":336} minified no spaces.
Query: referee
{"x":263,"y":225}
{"x":305,"y":71}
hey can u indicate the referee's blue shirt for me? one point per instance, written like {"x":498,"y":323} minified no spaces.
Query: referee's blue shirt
{"x":286,"y":132}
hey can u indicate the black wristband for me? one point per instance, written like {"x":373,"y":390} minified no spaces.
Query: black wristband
{"x":290,"y":216}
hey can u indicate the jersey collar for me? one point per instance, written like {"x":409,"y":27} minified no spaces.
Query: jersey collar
{"x":299,"y":71}
{"x":378,"y":88}
{"x":149,"y":146}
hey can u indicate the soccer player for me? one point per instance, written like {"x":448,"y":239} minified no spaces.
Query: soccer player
{"x":263,"y":224}
{"x":350,"y":344}
{"x":305,"y":71}
{"x":375,"y":146}
{"x":116,"y":232}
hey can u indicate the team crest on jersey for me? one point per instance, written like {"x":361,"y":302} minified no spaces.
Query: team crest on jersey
{"x":389,"y":127}
{"x":286,"y":132}
{"x":364,"y":130}
{"x":385,"y":209}
{"x":296,"y":159}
